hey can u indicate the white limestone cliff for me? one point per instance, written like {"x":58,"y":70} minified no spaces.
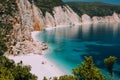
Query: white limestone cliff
{"x":86,"y":19}
{"x":30,"y":18}
{"x":49,"y":20}
{"x":62,"y":16}
{"x":73,"y":17}
{"x":116,"y":17}
{"x":107,"y":19}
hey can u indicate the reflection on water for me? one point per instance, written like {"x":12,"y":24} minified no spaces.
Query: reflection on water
{"x":69,"y":45}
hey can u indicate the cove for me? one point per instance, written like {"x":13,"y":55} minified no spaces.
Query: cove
{"x":69,"y":45}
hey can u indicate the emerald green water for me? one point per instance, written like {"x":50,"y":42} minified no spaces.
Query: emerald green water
{"x":69,"y":45}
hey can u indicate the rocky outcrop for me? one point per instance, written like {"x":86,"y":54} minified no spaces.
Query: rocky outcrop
{"x":38,"y":18}
{"x":66,"y":16}
{"x":107,"y":19}
{"x":86,"y":19}
{"x":26,"y":47}
{"x":49,"y":20}
{"x":30,"y":18}
{"x":116,"y":17}
{"x":62,"y":16}
{"x":33,"y":18}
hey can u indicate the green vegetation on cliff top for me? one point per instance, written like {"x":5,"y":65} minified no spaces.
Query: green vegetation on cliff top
{"x":47,"y":5}
{"x":90,"y":8}
{"x":94,"y":8}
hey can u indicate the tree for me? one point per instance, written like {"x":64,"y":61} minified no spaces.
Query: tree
{"x":44,"y":78}
{"x":67,"y":77}
{"x":5,"y":74}
{"x":109,"y":62}
{"x":11,"y":71}
{"x":87,"y":71}
{"x":64,"y":77}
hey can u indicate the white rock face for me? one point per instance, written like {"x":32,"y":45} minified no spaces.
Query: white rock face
{"x":62,"y":16}
{"x":96,"y":19}
{"x":26,"y":20}
{"x":86,"y":19}
{"x":29,"y":14}
{"x":49,"y":20}
{"x":110,"y":19}
{"x":29,"y":19}
{"x":73,"y":17}
{"x":107,"y":19}
{"x":32,"y":16}
{"x":38,"y":17}
{"x":116,"y":17}
{"x":27,"y":47}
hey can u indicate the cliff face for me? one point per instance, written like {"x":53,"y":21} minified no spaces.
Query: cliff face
{"x":33,"y":18}
{"x":86,"y":19}
{"x":107,"y":19}
{"x":62,"y":16}
{"x":30,"y":18}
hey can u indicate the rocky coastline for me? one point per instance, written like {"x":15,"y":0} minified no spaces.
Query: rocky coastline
{"x":30,"y":18}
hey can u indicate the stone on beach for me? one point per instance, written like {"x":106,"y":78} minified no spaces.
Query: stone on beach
{"x":27,"y":47}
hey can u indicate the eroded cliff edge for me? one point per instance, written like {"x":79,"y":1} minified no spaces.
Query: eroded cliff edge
{"x":30,"y":18}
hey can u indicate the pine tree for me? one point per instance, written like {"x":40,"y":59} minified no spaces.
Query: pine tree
{"x":110,"y":61}
{"x":87,"y":71}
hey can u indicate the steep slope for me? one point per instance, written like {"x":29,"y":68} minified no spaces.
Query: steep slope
{"x":47,"y":5}
{"x":8,"y":69}
{"x":36,"y":15}
{"x":31,"y":14}
{"x":8,"y":10}
{"x":94,"y":8}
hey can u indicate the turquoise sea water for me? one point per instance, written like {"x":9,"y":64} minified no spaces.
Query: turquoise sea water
{"x":69,"y":45}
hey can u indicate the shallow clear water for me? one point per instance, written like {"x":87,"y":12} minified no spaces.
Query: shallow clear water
{"x":69,"y":45}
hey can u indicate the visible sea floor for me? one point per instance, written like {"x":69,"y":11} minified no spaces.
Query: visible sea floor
{"x":69,"y":45}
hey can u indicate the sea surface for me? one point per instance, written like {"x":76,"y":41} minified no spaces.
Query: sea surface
{"x":69,"y":45}
{"x":105,"y":1}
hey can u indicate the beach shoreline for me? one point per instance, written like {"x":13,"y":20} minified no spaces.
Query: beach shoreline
{"x":40,"y":65}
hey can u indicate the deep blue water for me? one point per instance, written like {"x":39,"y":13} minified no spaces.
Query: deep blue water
{"x":105,"y":1}
{"x":69,"y":45}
